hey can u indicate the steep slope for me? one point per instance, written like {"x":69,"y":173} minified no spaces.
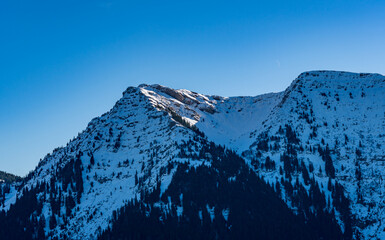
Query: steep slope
{"x":320,"y":144}
{"x":225,"y":120}
{"x":223,"y":201}
{"x":147,"y":150}
{"x":109,"y":163}
{"x":336,"y":123}
{"x":326,"y":125}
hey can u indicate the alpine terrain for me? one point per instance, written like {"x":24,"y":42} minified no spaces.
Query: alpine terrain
{"x":306,"y":163}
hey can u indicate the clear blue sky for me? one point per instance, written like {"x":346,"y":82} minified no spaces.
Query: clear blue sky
{"x":64,"y":62}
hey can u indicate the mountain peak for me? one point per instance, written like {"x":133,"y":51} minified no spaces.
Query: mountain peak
{"x":133,"y":153}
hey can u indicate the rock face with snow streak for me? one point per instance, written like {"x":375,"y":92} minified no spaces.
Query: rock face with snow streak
{"x":325,"y":134}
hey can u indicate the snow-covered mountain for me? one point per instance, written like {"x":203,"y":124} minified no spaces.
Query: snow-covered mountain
{"x":344,"y":112}
{"x":320,"y":144}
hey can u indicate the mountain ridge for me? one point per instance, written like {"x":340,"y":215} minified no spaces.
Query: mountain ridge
{"x":138,"y":145}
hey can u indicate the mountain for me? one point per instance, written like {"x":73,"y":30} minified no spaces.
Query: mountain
{"x":171,"y":164}
{"x":337,"y":120}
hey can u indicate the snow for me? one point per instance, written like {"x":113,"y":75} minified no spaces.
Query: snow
{"x":141,"y":122}
{"x":225,"y":214}
{"x":10,"y":198}
{"x":211,"y":212}
{"x":343,"y":104}
{"x":147,"y":143}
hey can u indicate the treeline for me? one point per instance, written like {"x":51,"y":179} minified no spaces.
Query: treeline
{"x":25,"y":220}
{"x":224,"y":201}
{"x":300,"y":189}
{"x":9,"y":178}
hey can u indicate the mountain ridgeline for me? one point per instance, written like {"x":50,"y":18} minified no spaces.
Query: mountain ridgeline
{"x":8,"y":177}
{"x":305,"y":163}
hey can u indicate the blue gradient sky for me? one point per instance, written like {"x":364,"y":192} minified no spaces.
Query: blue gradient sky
{"x":64,"y":62}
